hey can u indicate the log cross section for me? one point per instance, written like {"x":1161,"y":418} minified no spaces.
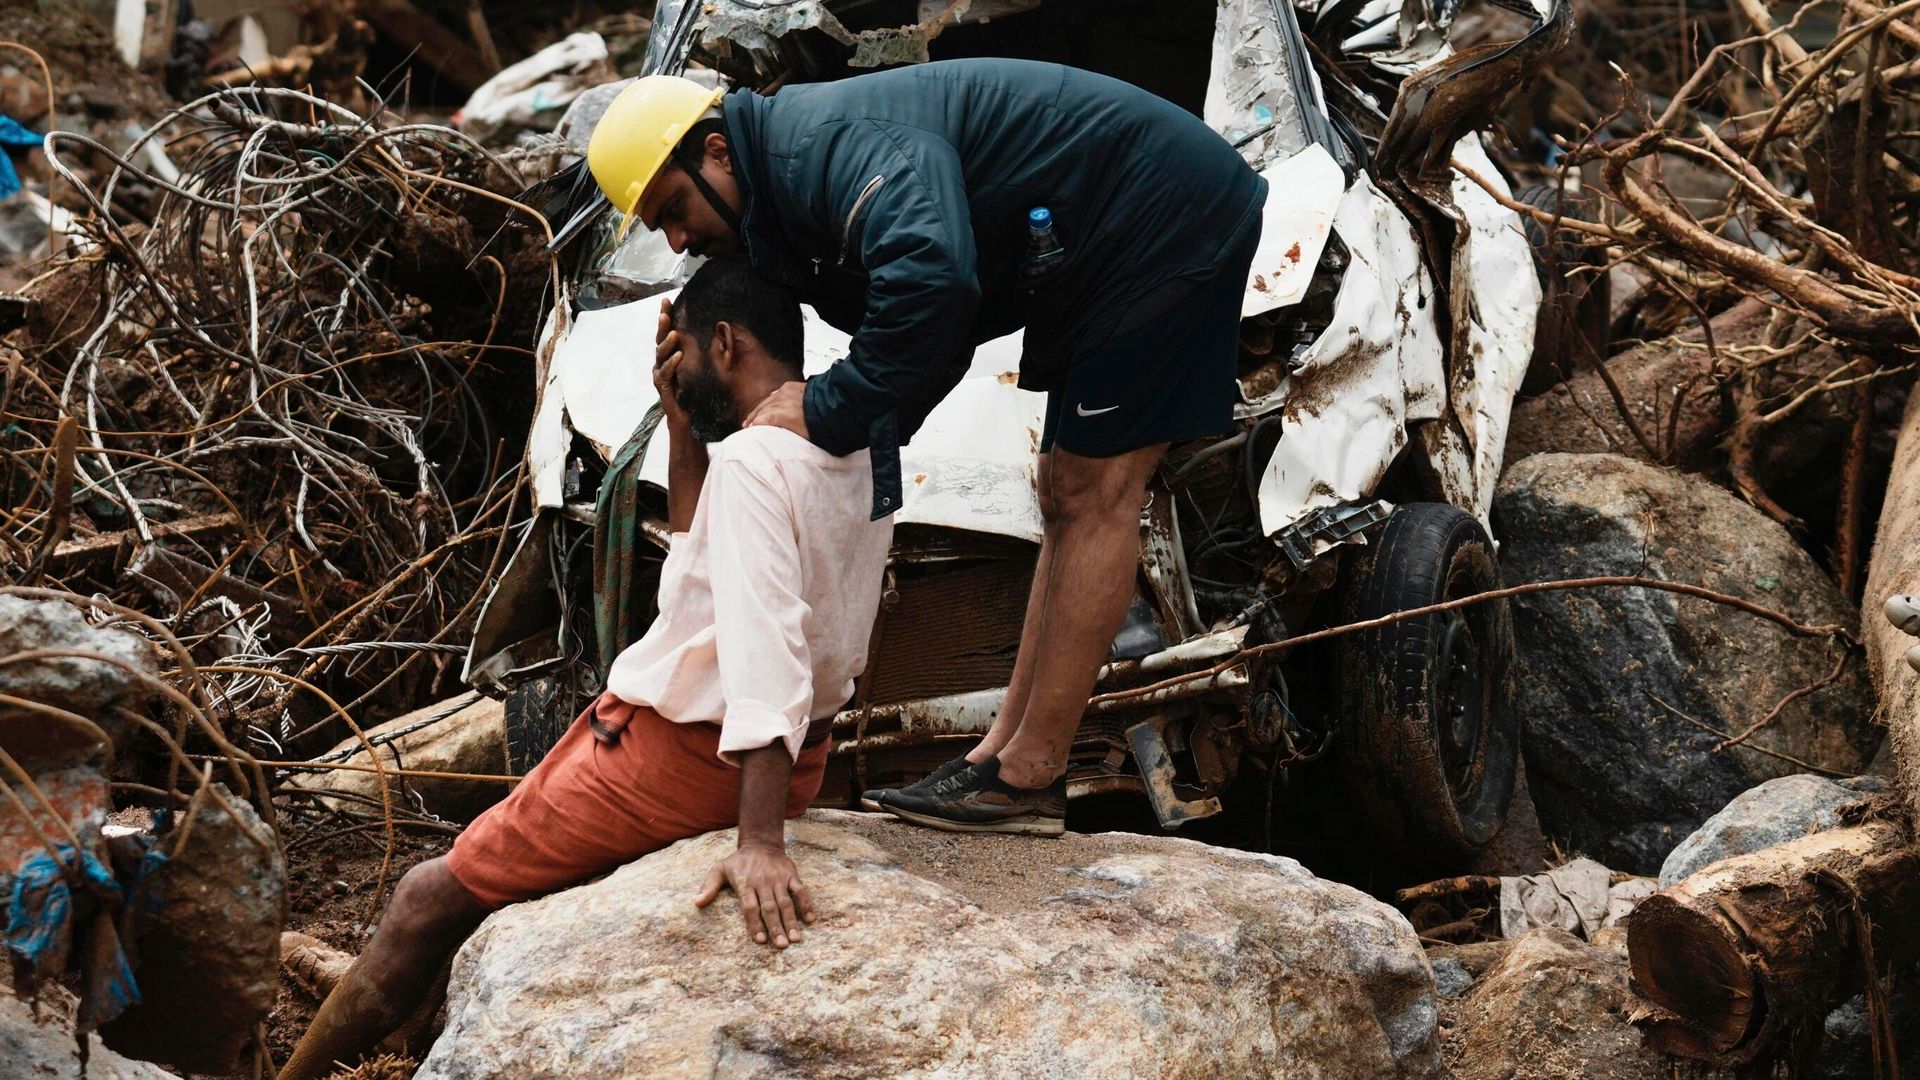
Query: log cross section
{"x":1746,"y":957}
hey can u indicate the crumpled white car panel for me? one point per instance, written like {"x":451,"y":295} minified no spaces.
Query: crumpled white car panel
{"x":970,"y":467}
{"x":1303,"y":192}
{"x":1376,"y":366}
{"x":1506,"y":307}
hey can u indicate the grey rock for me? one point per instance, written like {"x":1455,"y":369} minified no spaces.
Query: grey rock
{"x":1553,"y":1008}
{"x":1616,"y":686}
{"x":1846,"y":1053}
{"x":1772,"y":813}
{"x":583,"y":115}
{"x":1451,"y":977}
{"x":212,"y":951}
{"x":934,"y":955}
{"x":79,"y":685}
{"x":37,"y":1041}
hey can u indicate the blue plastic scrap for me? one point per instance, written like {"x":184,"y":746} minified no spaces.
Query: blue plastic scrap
{"x":43,"y":898}
{"x":13,"y":135}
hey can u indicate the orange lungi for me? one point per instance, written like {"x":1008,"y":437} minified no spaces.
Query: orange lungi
{"x":591,"y":806}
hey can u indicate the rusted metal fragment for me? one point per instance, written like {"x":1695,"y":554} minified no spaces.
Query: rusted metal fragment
{"x":954,"y":628}
{"x":1233,"y":684}
{"x":1149,"y":741}
{"x":1163,"y":559}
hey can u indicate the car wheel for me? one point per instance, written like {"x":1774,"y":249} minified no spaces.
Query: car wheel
{"x":1574,"y":311}
{"x":538,"y":712}
{"x":1429,"y":741}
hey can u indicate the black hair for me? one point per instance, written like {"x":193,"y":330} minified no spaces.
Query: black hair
{"x":693,"y":145}
{"x":728,"y":289}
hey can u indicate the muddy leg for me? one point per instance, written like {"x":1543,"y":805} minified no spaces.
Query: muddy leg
{"x":1032,"y":629}
{"x":430,"y":914}
{"x":1094,"y":535}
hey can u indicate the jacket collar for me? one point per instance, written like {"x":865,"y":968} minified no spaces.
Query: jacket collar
{"x":766,"y":245}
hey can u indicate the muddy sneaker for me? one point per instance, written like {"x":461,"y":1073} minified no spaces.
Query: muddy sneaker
{"x":974,"y":800}
{"x":873,"y":797}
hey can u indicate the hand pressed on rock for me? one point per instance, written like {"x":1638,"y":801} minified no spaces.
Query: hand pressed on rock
{"x":773,"y":900}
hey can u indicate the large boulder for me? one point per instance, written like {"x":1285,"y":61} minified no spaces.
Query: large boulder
{"x":83,"y":685}
{"x":1846,"y":1053}
{"x":209,"y":946}
{"x":1552,"y":1008}
{"x":1773,"y":813}
{"x":443,"y":737}
{"x":936,"y":955}
{"x":37,"y":1041}
{"x":1626,"y":693}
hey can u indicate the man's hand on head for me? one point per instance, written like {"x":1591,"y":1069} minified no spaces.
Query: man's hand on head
{"x":666,"y":369}
{"x":785,"y":407}
{"x":773,"y":900}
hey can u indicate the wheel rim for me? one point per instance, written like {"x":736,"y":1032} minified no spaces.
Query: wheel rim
{"x":1460,"y":705}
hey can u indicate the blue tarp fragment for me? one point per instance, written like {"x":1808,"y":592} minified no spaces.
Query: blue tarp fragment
{"x":13,"y":135}
{"x":42,"y":907}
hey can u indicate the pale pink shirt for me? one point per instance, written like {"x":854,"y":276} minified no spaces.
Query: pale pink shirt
{"x":767,"y":601}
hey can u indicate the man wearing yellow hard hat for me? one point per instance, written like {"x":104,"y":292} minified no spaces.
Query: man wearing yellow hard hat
{"x":927,"y":209}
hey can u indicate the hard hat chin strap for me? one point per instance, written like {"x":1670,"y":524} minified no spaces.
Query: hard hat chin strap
{"x":688,"y":158}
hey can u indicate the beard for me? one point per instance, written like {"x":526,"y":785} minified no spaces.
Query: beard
{"x":711,"y":414}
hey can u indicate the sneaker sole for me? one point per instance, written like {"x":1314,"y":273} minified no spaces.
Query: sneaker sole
{"x":1020,"y":826}
{"x":873,"y":805}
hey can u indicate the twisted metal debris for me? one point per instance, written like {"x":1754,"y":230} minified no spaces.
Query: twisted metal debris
{"x":284,"y":415}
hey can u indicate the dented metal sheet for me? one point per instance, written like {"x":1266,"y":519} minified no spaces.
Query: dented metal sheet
{"x":970,"y":467}
{"x":1250,"y":88}
{"x":752,"y":26}
{"x":1506,"y":295}
{"x":1376,"y":367}
{"x":1303,"y":191}
{"x":547,"y":439}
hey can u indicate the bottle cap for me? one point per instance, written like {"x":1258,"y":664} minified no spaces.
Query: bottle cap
{"x":1040,"y":218}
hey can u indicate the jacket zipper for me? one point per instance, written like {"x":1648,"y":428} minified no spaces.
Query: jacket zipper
{"x":859,"y":204}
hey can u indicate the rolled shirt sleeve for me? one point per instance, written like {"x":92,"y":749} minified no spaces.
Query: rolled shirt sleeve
{"x":760,"y":617}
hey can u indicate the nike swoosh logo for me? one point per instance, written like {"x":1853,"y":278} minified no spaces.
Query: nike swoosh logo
{"x":1082,"y":410}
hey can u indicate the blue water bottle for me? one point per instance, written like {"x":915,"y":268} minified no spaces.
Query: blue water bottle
{"x":1044,"y":253}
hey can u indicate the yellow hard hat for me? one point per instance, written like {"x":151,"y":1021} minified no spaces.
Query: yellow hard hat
{"x":638,"y":132}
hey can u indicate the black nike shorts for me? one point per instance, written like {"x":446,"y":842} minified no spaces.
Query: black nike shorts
{"x":1168,"y":380}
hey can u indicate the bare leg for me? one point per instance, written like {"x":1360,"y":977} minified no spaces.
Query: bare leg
{"x":1093,"y":534}
{"x":430,"y":914}
{"x":1031,"y":629}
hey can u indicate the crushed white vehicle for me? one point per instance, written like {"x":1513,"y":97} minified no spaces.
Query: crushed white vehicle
{"x":1389,"y":320}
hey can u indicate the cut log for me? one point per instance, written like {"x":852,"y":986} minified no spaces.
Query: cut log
{"x":1895,"y":568}
{"x":1747,"y":956}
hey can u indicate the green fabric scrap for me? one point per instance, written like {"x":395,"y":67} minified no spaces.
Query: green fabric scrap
{"x":622,"y":610}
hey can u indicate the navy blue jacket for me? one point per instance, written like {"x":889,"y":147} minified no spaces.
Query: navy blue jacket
{"x":896,"y":204}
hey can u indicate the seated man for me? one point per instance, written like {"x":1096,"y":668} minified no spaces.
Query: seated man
{"x":718,"y":716}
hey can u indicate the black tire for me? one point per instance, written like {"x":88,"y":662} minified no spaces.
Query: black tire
{"x":538,"y":712}
{"x":1429,"y":743}
{"x":1572,"y":331}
